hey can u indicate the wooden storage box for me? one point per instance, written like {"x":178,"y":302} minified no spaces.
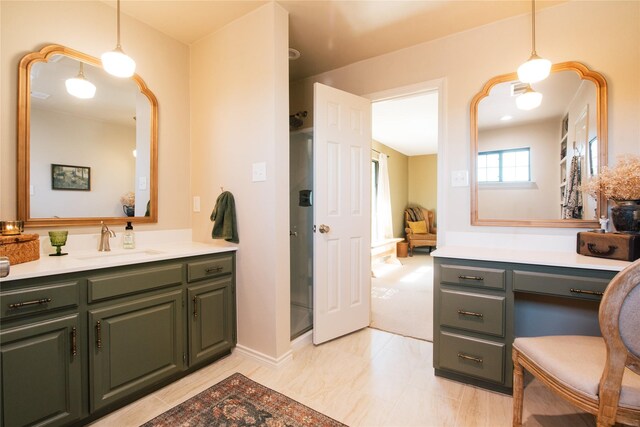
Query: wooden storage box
{"x":622,"y":246}
{"x":20,"y":248}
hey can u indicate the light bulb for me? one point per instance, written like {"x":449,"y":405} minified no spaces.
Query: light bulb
{"x":529,"y":100}
{"x":80,"y":87}
{"x":117,"y":63}
{"x":534,"y":70}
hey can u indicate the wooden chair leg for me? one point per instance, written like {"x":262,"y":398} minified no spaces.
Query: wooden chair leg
{"x":518,"y":390}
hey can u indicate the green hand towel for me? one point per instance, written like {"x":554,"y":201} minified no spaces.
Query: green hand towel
{"x":224,"y":218}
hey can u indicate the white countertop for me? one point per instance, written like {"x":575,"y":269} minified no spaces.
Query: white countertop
{"x":92,"y":260}
{"x":549,"y":258}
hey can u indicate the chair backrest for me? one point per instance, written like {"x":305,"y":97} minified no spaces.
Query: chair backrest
{"x":619,"y":318}
{"x":428,"y":215}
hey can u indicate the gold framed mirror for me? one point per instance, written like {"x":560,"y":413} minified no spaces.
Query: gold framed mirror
{"x":83,"y":161}
{"x":527,"y":166}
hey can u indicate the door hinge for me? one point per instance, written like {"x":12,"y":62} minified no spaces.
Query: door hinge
{"x":184,"y":357}
{"x":314,"y":228}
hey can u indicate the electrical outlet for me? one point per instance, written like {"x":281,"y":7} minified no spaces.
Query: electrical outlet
{"x":142,"y":183}
{"x":196,"y":203}
{"x":459,"y":178}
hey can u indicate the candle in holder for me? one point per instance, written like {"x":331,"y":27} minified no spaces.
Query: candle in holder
{"x":11,"y":228}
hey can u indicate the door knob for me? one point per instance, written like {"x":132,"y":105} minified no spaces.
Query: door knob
{"x":324,"y":228}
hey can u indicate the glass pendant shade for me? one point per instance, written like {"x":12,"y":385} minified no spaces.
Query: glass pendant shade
{"x":529,"y":100}
{"x":80,"y":87}
{"x":117,"y":63}
{"x":534,"y":70}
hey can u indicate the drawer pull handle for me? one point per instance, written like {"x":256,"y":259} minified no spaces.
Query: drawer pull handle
{"x":98,"y":334}
{"x":478,"y":360}
{"x":593,"y":250}
{"x":581,"y":291}
{"x":28,"y":303}
{"x":195,"y":307}
{"x":470,"y":313}
{"x":470,"y":278}
{"x":211,"y":270}
{"x":74,"y":341}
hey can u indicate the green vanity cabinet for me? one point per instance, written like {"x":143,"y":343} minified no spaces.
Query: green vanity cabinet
{"x":480,"y":305}
{"x":41,"y":373}
{"x":134,"y":344}
{"x":75,"y":346}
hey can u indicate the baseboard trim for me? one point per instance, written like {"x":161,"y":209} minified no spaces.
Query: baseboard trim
{"x":302,"y":341}
{"x":263,"y":358}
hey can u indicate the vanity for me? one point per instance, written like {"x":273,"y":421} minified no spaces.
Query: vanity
{"x":83,"y":336}
{"x":484,"y":298}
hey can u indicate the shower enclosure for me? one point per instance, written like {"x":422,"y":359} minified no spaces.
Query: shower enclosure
{"x":301,"y":230}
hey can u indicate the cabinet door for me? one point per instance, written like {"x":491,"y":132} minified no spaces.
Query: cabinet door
{"x":41,"y":373}
{"x":211,"y":319}
{"x":134,"y":344}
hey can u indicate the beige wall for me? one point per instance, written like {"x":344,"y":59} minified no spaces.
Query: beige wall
{"x":239,"y":105}
{"x":89,"y":26}
{"x":597,"y":33}
{"x":398,"y":174}
{"x":423,"y":181}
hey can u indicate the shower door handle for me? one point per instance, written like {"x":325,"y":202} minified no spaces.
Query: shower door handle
{"x":293,"y":233}
{"x":324,"y":228}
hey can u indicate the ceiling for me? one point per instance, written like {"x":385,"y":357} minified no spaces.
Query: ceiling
{"x":335,"y":33}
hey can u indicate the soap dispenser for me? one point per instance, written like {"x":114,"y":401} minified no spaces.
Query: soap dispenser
{"x":129,"y":240}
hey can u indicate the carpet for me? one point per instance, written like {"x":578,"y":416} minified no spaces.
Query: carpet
{"x":402,"y":297}
{"x":238,"y":401}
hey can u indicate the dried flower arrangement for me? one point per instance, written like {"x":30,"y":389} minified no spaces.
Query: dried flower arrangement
{"x":619,"y":183}
{"x":128,"y":199}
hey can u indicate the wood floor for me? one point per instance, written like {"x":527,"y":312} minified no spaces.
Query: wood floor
{"x":368,"y":378}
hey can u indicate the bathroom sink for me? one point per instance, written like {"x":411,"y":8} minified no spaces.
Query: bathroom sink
{"x":123,"y":255}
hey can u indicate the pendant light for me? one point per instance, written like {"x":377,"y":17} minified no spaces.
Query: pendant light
{"x":79,"y":86}
{"x":116,"y":62}
{"x":529,"y":100}
{"x":536,"y":68}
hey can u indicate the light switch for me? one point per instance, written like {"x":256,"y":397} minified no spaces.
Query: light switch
{"x":142,"y":183}
{"x":196,"y":203}
{"x":31,"y":190}
{"x":259,"y":172}
{"x":459,"y":178}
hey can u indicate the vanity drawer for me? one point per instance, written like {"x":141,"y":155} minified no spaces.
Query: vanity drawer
{"x":492,"y":278}
{"x":472,"y":312}
{"x":557,"y":284}
{"x":133,"y":282}
{"x":39,"y":299}
{"x":472,"y":356}
{"x":209,"y":268}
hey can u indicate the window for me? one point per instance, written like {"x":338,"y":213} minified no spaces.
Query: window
{"x":374,"y":199}
{"x":504,"y":165}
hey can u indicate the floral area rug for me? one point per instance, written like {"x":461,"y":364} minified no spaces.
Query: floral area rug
{"x":238,"y":401}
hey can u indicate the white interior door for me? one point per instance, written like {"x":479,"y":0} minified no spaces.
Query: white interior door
{"x":342,"y":213}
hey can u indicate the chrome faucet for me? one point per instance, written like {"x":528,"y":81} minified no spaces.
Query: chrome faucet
{"x":105,"y":234}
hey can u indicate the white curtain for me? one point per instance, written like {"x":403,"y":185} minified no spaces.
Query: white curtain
{"x":383,"y":205}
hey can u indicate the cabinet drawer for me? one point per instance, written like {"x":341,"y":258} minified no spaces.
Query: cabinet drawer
{"x":557,"y":284}
{"x":472,"y":276}
{"x":133,"y":282}
{"x":209,"y":268}
{"x":39,"y":299}
{"x":473,"y":312}
{"x":472,"y":356}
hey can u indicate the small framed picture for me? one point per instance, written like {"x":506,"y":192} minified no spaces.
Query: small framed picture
{"x":66,"y":177}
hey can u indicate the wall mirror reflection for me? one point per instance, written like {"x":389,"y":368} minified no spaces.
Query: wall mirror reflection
{"x":71,"y":112}
{"x":528,"y":162}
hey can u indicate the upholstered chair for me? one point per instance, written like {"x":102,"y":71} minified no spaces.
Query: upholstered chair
{"x":600,"y":375}
{"x":420,"y":231}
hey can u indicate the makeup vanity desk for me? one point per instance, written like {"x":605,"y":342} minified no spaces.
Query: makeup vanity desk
{"x":484,"y":298}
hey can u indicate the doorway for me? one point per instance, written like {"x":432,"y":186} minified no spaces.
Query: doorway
{"x":406,"y":124}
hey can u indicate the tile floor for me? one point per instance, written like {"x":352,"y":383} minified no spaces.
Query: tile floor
{"x":368,"y":378}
